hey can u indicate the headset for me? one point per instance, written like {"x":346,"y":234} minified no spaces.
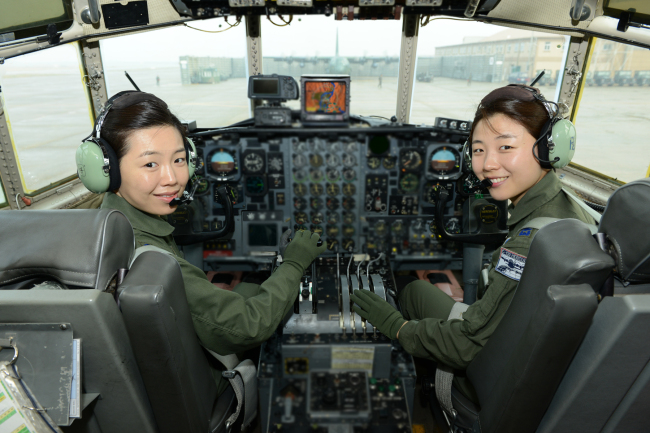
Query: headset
{"x":558,"y":138}
{"x":97,"y":163}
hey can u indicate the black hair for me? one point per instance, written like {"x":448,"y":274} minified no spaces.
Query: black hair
{"x":120,"y":123}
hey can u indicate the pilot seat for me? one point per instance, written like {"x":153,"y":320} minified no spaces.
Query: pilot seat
{"x":143,"y":368}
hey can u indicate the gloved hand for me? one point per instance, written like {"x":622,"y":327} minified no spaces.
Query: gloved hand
{"x":378,"y":312}
{"x":302,"y":250}
{"x":284,"y":242}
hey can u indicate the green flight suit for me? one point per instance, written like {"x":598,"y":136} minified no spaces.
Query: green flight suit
{"x":456,"y":342}
{"x":225,"y":322}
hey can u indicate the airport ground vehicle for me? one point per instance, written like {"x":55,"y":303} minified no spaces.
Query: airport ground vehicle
{"x":284,"y":176}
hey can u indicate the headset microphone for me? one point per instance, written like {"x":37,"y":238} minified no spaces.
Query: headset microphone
{"x":187,"y":196}
{"x":486,"y":182}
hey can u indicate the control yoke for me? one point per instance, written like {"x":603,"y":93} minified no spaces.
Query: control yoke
{"x":471,"y":238}
{"x":225,"y":196}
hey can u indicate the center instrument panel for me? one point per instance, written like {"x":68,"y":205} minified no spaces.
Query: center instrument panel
{"x":363,"y":189}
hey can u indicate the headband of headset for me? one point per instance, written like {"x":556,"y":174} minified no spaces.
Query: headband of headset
{"x":556,"y":145}
{"x":97,"y":162}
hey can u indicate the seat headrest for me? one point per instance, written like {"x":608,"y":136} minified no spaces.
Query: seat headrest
{"x":626,"y":222}
{"x":82,"y":248}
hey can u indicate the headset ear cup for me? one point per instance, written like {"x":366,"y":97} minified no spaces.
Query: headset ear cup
{"x":192,"y":156}
{"x":90,"y":167}
{"x":563,"y":135}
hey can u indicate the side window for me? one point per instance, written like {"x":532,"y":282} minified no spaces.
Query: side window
{"x":3,"y":198}
{"x":48,"y":113}
{"x":611,"y":121}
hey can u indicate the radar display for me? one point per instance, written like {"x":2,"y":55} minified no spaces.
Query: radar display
{"x":325,"y":97}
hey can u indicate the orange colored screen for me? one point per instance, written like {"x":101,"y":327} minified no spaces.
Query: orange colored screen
{"x":325,"y":97}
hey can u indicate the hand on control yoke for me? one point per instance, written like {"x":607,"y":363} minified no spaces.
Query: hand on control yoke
{"x":303,"y":249}
{"x":378,"y":312}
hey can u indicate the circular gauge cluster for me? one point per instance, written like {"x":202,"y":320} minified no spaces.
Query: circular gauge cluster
{"x":325,"y":189}
{"x":444,"y":161}
{"x":387,"y":162}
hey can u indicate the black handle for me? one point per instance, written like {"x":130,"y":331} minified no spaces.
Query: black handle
{"x":225,"y":195}
{"x":477,"y":238}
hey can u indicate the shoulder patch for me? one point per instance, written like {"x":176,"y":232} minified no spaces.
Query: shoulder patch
{"x":525,"y":232}
{"x":510,"y":264}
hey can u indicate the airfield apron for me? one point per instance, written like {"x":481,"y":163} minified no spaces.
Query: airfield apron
{"x":225,"y":321}
{"x":456,"y":342}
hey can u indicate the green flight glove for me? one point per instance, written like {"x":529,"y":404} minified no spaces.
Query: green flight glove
{"x":302,"y":249}
{"x":378,"y":312}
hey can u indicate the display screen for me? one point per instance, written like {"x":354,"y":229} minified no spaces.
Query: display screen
{"x":262,"y":235}
{"x":325,"y":97}
{"x":265,"y":86}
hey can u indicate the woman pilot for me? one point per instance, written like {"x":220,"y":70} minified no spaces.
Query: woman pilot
{"x":148,"y":151}
{"x":504,"y":148}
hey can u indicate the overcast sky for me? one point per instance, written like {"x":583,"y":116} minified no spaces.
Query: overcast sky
{"x":306,"y":36}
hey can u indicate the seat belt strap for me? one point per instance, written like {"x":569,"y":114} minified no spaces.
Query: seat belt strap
{"x":243,"y":379}
{"x":444,"y":373}
{"x":594,"y":214}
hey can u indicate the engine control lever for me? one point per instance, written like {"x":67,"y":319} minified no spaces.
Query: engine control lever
{"x":225,"y":196}
{"x":472,"y":238}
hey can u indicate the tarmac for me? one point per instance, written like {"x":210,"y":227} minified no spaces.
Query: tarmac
{"x":48,"y":125}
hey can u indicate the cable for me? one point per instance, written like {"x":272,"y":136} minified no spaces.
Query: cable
{"x":424,"y":22}
{"x":381,"y":256}
{"x":217,"y":31}
{"x":286,"y":23}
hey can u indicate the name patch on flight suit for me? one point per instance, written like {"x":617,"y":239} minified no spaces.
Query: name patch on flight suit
{"x":510,"y":264}
{"x":525,"y":232}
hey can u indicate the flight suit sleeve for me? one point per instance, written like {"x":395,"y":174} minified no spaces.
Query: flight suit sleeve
{"x":456,"y":342}
{"x":228,"y":322}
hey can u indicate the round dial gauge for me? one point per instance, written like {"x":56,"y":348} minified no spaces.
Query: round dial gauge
{"x":348,"y":231}
{"x":335,"y":147}
{"x":397,"y":227}
{"x":348,"y":244}
{"x":349,"y":175}
{"x":316,"y":203}
{"x":430,"y":192}
{"x":316,"y":175}
{"x":444,"y":161}
{"x":318,"y":229}
{"x":388,"y":163}
{"x":222,"y":162}
{"x":317,"y":218}
{"x":253,"y":162}
{"x":300,"y":147}
{"x":255,"y":185}
{"x":452,"y":225}
{"x":300,"y":217}
{"x":333,"y":189}
{"x":332,"y":231}
{"x":410,"y":159}
{"x":432,"y":227}
{"x":351,"y":147}
{"x":332,"y":174}
{"x":299,"y":227}
{"x":319,"y":145}
{"x":203,"y":185}
{"x":299,"y":189}
{"x":333,"y":160}
{"x":300,"y":203}
{"x":348,"y":217}
{"x":315,"y":160}
{"x":348,"y":203}
{"x":374,"y":162}
{"x":299,"y":175}
{"x":299,"y":160}
{"x":332,"y":203}
{"x":276,"y":164}
{"x":418,"y":226}
{"x":409,"y":183}
{"x":332,"y":217}
{"x":349,"y":160}
{"x":349,"y":190}
{"x":236,"y":192}
{"x":316,"y":189}
{"x":332,"y":244}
